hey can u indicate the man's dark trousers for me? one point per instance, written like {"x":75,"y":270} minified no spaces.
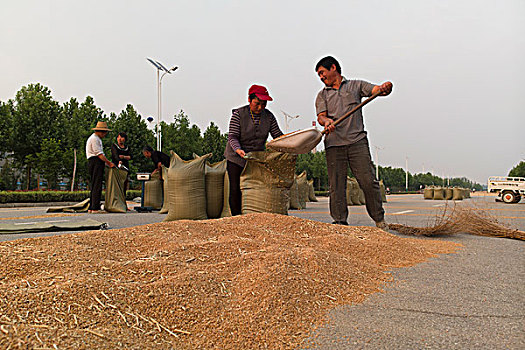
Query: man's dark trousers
{"x":96,"y":173}
{"x":357,"y":156}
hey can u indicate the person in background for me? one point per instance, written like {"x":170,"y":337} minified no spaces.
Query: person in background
{"x":121,"y":155}
{"x":249,"y":128}
{"x":96,"y":162}
{"x":347,"y":145}
{"x":158,"y":158}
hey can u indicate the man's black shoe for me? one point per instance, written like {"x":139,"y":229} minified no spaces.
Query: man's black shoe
{"x":340,"y":223}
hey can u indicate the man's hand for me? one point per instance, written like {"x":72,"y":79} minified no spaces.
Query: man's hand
{"x":328,"y":123}
{"x":241,"y":153}
{"x":385,"y":88}
{"x":111,"y":165}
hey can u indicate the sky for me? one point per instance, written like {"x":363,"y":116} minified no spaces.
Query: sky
{"x":456,"y":66}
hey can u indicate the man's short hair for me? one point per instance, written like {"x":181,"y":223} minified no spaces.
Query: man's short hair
{"x":147,"y":149}
{"x":327,"y":62}
{"x":123,"y":135}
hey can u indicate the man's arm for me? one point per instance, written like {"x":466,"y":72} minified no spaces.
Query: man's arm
{"x":105,"y":160}
{"x":385,"y":88}
{"x":324,"y":120}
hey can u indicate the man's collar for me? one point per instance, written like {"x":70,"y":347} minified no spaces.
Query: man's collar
{"x":343,"y":81}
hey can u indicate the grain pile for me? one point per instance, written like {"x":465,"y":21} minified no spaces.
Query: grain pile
{"x":255,"y":281}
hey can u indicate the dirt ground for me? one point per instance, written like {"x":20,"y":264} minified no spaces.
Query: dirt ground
{"x":250,"y":282}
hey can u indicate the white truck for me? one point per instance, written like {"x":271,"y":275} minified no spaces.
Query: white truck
{"x":509,"y":189}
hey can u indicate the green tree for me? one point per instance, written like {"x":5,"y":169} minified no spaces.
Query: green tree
{"x":179,"y":136}
{"x":518,"y":170}
{"x":8,"y":175}
{"x":48,"y":162}
{"x":315,"y":166}
{"x":36,"y":116}
{"x":214,"y":142}
{"x":6,"y":127}
{"x":394,"y":178}
{"x":79,"y":119}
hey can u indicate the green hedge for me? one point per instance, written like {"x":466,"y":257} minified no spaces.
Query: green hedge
{"x":52,"y":196}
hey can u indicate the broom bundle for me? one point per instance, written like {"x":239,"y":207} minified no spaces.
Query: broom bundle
{"x":474,"y":221}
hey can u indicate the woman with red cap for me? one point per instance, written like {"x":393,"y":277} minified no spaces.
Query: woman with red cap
{"x":249,"y":128}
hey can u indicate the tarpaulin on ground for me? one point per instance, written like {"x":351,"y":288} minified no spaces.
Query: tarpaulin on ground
{"x":266,"y":181}
{"x":75,"y":208}
{"x":115,"y":199}
{"x":88,"y":224}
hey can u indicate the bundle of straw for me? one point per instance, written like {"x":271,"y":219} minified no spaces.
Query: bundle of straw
{"x":473,"y":221}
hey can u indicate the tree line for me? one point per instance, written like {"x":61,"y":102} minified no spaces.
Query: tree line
{"x":43,"y":139}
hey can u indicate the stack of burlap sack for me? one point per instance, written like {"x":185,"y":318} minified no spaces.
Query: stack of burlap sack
{"x":197,"y":190}
{"x":446,"y":193}
{"x":301,"y":192}
{"x":356,"y":196}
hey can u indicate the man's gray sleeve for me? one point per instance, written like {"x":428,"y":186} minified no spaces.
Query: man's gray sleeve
{"x":320,"y":103}
{"x":366,"y":88}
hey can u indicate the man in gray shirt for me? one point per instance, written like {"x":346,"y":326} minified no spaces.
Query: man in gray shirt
{"x":347,"y":145}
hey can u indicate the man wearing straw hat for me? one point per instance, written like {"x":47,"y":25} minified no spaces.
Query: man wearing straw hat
{"x":347,"y":145}
{"x":96,"y":162}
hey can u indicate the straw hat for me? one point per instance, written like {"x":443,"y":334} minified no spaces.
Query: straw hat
{"x":101,"y":126}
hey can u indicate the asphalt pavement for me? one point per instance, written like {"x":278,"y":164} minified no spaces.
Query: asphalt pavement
{"x":472,"y":299}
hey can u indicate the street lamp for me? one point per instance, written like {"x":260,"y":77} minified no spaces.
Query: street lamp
{"x":165,"y":71}
{"x":377,"y":161}
{"x":287,"y":118}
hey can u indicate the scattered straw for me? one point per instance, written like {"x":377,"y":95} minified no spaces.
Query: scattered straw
{"x":471,"y":220}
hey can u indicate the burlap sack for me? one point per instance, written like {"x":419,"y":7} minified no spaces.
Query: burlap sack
{"x":295,"y":202}
{"x":354,"y":191}
{"x":448,"y":193}
{"x":166,"y":201}
{"x":266,"y":181}
{"x":153,"y":196}
{"x":302,"y":184}
{"x":439,"y":193}
{"x":187,"y":188}
{"x":457,"y":194}
{"x":311,"y":191}
{"x":115,"y":197}
{"x":428,"y":193}
{"x":382,"y":190}
{"x":214,"y":174}
{"x":226,"y":212}
{"x":362,"y":199}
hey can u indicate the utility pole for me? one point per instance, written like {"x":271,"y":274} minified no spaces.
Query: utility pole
{"x":159,"y":67}
{"x":406,"y":171}
{"x":377,"y":162}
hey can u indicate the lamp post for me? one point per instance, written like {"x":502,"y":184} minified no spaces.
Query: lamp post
{"x":159,"y":67}
{"x":377,"y":162}
{"x":406,"y":176}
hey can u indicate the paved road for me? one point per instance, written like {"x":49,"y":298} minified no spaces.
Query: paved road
{"x":473,"y":299}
